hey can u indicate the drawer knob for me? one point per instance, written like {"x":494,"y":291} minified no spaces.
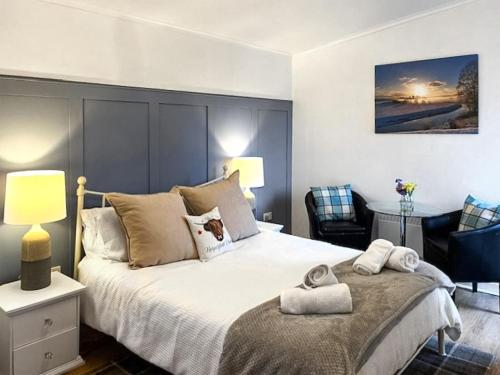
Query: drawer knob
{"x":49,"y":355}
{"x":48,"y":322}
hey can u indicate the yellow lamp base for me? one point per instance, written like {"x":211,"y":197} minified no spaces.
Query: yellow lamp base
{"x":35,"y":259}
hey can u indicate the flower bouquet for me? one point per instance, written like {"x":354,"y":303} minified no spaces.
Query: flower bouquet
{"x":406,"y":190}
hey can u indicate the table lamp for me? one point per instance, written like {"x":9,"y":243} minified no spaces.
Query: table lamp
{"x":251,"y":175}
{"x":34,"y":198}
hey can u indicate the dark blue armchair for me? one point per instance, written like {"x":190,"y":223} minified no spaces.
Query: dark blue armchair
{"x":467,"y":256}
{"x":343,"y":233}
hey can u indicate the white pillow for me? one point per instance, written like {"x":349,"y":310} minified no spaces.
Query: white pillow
{"x":103,"y":234}
{"x":210,"y":234}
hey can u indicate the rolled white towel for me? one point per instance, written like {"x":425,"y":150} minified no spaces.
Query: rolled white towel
{"x":319,"y":276}
{"x":403,"y":259}
{"x":330,"y":299}
{"x":374,"y":258}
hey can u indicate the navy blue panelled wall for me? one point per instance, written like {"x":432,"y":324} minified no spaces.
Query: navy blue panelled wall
{"x":134,"y":140}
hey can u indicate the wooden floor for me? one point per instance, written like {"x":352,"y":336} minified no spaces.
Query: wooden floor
{"x":479,"y":311}
{"x":481,"y":323}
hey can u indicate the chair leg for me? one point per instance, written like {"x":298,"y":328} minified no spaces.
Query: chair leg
{"x":441,"y":342}
{"x":474,"y":287}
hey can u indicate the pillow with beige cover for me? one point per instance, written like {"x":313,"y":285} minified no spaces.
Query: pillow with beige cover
{"x":228,"y":197}
{"x":155,"y":228}
{"x":176,"y":189}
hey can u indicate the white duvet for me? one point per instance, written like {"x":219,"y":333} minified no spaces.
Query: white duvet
{"x":177,"y":315}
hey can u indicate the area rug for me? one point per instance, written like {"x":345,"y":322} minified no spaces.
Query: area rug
{"x":461,"y":360}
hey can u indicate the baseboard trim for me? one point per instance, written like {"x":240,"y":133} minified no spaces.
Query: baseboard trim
{"x":480,"y":288}
{"x":66,"y":367}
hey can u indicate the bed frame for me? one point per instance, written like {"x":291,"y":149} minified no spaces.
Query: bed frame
{"x":81,"y":192}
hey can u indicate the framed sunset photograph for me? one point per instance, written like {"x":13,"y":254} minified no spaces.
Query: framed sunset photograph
{"x":439,"y":96}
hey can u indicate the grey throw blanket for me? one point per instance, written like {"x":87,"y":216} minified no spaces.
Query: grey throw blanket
{"x":266,"y":341}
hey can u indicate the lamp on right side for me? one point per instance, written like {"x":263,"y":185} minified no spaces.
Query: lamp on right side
{"x":251,"y":176}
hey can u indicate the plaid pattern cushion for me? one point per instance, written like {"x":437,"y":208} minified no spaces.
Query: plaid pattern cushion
{"x":478,"y":214}
{"x":334,"y":203}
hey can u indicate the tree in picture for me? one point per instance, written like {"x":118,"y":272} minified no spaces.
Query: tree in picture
{"x":467,"y":87}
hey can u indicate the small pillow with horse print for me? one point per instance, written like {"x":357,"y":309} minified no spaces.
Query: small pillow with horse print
{"x":210,"y":234}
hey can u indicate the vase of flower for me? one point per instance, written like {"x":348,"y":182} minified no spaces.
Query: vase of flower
{"x":406,"y":205}
{"x":406,"y":190}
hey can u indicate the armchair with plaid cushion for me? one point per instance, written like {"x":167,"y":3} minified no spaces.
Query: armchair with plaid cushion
{"x":350,"y":233}
{"x":466,"y":255}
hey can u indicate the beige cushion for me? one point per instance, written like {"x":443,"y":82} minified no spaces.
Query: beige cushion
{"x":155,"y":228}
{"x":233,"y":207}
{"x":176,"y":189}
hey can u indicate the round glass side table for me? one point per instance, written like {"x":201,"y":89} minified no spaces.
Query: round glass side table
{"x":404,"y":210}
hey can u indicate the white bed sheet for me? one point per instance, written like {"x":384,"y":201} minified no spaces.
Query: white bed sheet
{"x":177,"y":315}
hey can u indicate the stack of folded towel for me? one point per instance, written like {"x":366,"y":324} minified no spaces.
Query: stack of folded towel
{"x":320,"y":293}
{"x":382,"y":253}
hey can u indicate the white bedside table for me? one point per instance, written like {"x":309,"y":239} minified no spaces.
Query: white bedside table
{"x":40,"y":329}
{"x":267,"y":226}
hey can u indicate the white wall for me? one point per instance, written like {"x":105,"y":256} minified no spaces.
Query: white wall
{"x":334,"y":139}
{"x":48,"y":40}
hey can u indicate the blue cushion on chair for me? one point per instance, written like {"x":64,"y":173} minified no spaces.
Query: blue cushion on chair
{"x":478,"y":214}
{"x":334,"y":203}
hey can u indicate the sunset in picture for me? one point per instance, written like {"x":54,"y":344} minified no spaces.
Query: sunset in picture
{"x":428,"y":96}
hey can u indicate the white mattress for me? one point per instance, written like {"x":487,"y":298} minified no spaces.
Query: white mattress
{"x":177,"y":315}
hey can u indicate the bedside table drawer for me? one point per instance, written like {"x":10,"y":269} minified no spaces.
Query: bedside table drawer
{"x":42,"y":356}
{"x":44,"y":322}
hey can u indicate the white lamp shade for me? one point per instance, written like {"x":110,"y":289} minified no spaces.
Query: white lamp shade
{"x":251,"y":171}
{"x":35,"y":197}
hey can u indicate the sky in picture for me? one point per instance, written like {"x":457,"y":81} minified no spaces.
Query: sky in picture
{"x":432,"y":80}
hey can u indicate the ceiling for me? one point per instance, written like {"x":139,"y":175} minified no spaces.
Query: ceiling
{"x":287,"y":26}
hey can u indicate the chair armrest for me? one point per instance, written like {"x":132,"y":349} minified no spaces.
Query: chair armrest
{"x":364,"y":216}
{"x":317,"y":223}
{"x":314,"y":228}
{"x":476,"y":254}
{"x":442,"y":224}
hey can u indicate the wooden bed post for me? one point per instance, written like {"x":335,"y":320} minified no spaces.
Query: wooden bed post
{"x":80,"y":194}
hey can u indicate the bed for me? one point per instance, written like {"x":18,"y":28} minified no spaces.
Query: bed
{"x":176,"y":316}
